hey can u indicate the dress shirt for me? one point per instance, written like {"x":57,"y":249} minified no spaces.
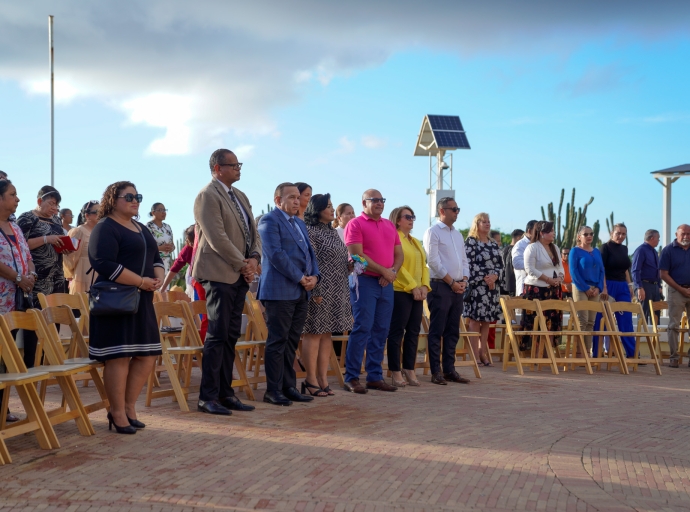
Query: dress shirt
{"x":676,"y":261}
{"x":518,"y":255}
{"x":244,"y":213}
{"x":378,"y":238}
{"x":445,"y":250}
{"x":586,"y":269}
{"x":645,"y":265}
{"x":538,"y":262}
{"x":616,"y":261}
{"x":414,"y":272}
{"x":567,"y":279}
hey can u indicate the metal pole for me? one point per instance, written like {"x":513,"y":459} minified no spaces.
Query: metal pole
{"x":52,"y":102}
{"x":668,"y":184}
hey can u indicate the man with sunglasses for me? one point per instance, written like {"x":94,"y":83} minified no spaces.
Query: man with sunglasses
{"x":226,"y":257}
{"x":449,"y":272}
{"x":375,"y":239}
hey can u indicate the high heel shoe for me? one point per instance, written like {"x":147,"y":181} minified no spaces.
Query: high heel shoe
{"x":306,"y":388}
{"x":411,"y":378}
{"x":129,"y":429}
{"x":136,"y":423}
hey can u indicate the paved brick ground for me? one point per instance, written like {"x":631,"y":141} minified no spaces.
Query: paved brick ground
{"x":571,"y":442}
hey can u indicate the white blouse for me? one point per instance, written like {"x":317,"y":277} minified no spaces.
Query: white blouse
{"x":538,"y":262}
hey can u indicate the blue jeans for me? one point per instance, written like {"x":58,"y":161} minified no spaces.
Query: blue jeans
{"x":619,"y":291}
{"x":372,"y":315}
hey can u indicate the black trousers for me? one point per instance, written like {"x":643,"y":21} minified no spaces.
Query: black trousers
{"x":285,"y":323}
{"x":445,"y":309}
{"x":651,"y":292}
{"x":407,"y":320}
{"x":224,"y":303}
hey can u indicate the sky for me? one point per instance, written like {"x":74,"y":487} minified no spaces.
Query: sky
{"x":552,"y":95}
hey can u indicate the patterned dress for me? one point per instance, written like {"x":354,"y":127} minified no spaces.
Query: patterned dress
{"x":163,"y":235}
{"x":20,"y":249}
{"x":484,"y":259}
{"x":48,"y":262}
{"x":334,"y":314}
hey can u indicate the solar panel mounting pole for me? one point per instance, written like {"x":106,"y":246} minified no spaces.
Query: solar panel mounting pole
{"x":52,"y":102}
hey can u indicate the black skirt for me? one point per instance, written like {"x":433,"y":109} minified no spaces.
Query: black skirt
{"x":111,"y":337}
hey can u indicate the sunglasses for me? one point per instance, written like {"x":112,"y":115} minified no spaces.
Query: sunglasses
{"x":454,"y":209}
{"x":91,"y":212}
{"x":375,"y":199}
{"x":131,"y":197}
{"x":407,"y":216}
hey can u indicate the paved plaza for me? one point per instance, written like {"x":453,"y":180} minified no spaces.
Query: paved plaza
{"x":570,"y":442}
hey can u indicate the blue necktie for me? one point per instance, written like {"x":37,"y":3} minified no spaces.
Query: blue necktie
{"x":304,"y":244}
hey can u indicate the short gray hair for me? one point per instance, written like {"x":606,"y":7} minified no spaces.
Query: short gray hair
{"x":443,"y":202}
{"x":649,"y":234}
{"x":218,"y":157}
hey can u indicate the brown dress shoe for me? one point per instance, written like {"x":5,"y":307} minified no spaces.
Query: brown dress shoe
{"x":455,"y":377}
{"x":673,"y":364}
{"x":437,"y":378}
{"x":354,"y":386}
{"x":381,"y":385}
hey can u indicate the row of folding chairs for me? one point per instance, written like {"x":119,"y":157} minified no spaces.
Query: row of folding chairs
{"x":54,"y":367}
{"x":544,"y":352}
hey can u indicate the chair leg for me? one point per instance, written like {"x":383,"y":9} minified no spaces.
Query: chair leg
{"x":336,"y":367}
{"x":70,"y":394}
{"x":4,"y":453}
{"x":35,"y":412}
{"x":242,"y":373}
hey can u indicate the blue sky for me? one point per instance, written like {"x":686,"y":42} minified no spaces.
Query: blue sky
{"x":595,"y":105}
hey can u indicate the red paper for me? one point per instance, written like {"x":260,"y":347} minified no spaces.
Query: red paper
{"x":69,"y":245}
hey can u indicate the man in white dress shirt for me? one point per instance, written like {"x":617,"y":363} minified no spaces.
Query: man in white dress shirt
{"x":518,"y":255}
{"x":449,"y":272}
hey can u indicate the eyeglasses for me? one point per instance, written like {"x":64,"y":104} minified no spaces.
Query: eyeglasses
{"x":381,"y":200}
{"x":238,"y":165}
{"x":91,"y":212}
{"x":409,"y":217}
{"x":161,"y":211}
{"x":588,"y":234}
{"x":131,"y":197}
{"x":454,"y":209}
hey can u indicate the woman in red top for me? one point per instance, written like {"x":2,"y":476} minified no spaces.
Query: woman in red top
{"x":186,"y":257}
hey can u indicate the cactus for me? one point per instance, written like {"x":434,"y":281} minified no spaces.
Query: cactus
{"x":567,"y":224}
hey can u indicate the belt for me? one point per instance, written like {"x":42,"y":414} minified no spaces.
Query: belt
{"x":650,"y":281}
{"x":684,"y":285}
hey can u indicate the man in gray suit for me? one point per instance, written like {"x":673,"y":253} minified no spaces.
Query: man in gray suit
{"x":228,"y":254}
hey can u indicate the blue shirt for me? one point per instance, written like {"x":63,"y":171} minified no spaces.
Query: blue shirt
{"x":586,"y":269}
{"x":676,"y":261}
{"x":645,"y":265}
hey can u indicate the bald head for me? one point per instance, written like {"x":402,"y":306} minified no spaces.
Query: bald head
{"x":368,"y":193}
{"x":372,"y":203}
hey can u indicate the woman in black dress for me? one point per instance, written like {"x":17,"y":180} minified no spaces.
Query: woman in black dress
{"x":128,"y":344}
{"x":42,"y":230}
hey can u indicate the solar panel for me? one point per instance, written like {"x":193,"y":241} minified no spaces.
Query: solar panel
{"x":445,"y":139}
{"x":445,"y":123}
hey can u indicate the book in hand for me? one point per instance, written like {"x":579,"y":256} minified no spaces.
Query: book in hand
{"x":68,"y":245}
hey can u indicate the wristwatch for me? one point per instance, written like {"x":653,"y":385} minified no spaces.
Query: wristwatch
{"x":18,"y":279}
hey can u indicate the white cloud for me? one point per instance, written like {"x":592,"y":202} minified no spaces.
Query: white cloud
{"x":345,"y":146}
{"x":373,"y":142}
{"x":217,"y":71}
{"x":244,"y":151}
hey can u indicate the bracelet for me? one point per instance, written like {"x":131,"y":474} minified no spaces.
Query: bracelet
{"x":45,"y":240}
{"x":142,"y":282}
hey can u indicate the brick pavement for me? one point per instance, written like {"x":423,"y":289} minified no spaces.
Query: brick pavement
{"x":570,"y":442}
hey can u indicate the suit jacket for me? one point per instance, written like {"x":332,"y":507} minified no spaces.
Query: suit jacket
{"x":284,"y":260}
{"x":220,"y":241}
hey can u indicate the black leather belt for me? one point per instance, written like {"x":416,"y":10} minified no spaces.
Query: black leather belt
{"x":649,"y":281}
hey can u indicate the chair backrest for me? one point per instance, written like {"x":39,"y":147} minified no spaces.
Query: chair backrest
{"x":198,"y":307}
{"x":256,"y":329}
{"x":628,"y":307}
{"x":62,"y":315}
{"x":31,"y":321}
{"x":510,"y":305}
{"x":174,"y":296}
{"x":190,"y":315}
{"x":9,"y":353}
{"x":73,"y":301}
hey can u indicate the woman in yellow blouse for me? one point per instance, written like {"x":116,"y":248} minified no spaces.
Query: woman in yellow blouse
{"x":76,"y":264}
{"x":410,"y":287}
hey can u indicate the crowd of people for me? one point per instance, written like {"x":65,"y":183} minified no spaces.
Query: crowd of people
{"x":321,"y":270}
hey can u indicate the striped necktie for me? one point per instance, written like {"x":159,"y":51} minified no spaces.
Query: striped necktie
{"x":247,"y":236}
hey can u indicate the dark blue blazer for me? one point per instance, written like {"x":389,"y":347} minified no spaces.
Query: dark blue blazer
{"x":283,"y":259}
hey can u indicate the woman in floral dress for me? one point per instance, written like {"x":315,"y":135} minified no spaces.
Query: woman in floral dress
{"x":162,"y":233}
{"x":486,"y":268}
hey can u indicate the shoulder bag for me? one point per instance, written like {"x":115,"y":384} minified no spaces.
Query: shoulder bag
{"x":22,"y":300}
{"x":108,"y":298}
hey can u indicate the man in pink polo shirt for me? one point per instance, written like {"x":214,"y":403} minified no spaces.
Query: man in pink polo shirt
{"x":376,"y":240}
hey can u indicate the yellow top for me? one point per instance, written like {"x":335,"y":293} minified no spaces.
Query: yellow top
{"x":414,"y":272}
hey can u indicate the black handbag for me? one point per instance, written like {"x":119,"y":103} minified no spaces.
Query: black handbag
{"x":108,"y":298}
{"x":22,"y":300}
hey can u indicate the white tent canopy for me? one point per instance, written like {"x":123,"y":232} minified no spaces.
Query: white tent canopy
{"x":667,"y":177}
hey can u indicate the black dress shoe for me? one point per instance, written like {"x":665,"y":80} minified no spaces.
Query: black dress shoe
{"x":232,"y":402}
{"x":136,"y":423}
{"x":294,"y":395}
{"x":213,"y":407}
{"x":276,"y":398}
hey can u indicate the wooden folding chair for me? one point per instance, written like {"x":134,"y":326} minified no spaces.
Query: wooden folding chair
{"x":540,"y":339}
{"x":657,"y":307}
{"x":74,"y":302}
{"x":464,"y":349}
{"x":48,"y":353}
{"x":174,"y":296}
{"x":615,"y":354}
{"x":250,"y":352}
{"x":182,"y":346}
{"x":62,"y":315}
{"x":643,"y":331}
{"x":36,"y":420}
{"x":570,"y":357}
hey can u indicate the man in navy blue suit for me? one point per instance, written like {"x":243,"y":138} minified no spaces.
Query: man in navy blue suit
{"x":290,"y":272}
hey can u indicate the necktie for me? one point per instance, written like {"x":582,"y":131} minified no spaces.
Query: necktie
{"x":304,"y":245}
{"x":247,"y":236}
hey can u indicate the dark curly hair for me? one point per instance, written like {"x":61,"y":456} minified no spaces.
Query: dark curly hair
{"x":109,"y":199}
{"x":317,"y":204}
